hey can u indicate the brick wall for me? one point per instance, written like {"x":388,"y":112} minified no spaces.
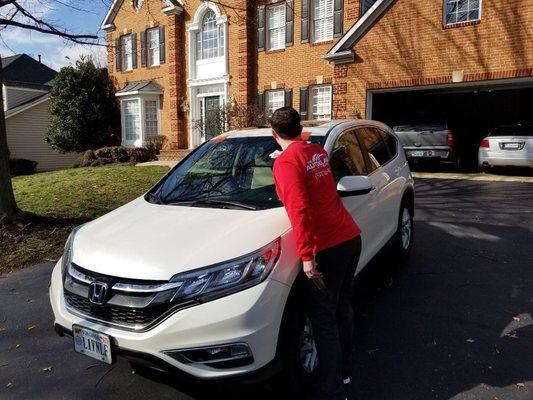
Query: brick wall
{"x":409,"y":46}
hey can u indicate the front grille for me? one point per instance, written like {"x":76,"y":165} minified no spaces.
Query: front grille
{"x":130,"y":304}
{"x":120,"y":316}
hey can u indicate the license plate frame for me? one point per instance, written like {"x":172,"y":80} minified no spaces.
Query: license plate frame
{"x":511,"y":146}
{"x":421,"y":153}
{"x":85,"y":342}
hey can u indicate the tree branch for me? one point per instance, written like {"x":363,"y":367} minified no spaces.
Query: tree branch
{"x":69,"y":36}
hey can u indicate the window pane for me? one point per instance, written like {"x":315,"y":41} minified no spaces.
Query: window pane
{"x":152,"y":43}
{"x":210,"y":41}
{"x":132,"y":119}
{"x":462,"y":11}
{"x":275,"y":100}
{"x":321,"y":102}
{"x":276,"y":26}
{"x":127,"y":52}
{"x":374,"y":146}
{"x":346,"y":157}
{"x":150,"y":117}
{"x":322,"y":20}
{"x":390,"y":142}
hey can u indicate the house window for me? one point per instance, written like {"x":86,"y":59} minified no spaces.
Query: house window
{"x":151,"y":120}
{"x":274,"y":99}
{"x":322,"y":20}
{"x":210,"y":39}
{"x":152,"y":38}
{"x":126,"y":43}
{"x":457,"y":11}
{"x":321,"y":102}
{"x":366,"y":5}
{"x":276,"y":26}
{"x":132,"y":119}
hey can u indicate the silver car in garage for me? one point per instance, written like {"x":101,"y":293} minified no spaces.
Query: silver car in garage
{"x":507,"y":146}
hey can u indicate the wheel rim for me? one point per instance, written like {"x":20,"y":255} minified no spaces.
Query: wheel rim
{"x":308,"y":352}
{"x":407,"y":229}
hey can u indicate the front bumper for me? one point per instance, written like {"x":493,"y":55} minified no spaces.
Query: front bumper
{"x":252,"y":316}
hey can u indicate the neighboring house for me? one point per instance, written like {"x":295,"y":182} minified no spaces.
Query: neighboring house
{"x":173,"y":62}
{"x":25,"y":94}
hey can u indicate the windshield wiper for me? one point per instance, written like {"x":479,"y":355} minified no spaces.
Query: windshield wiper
{"x":193,"y":203}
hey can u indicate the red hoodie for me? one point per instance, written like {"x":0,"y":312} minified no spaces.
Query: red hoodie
{"x":305,"y":185}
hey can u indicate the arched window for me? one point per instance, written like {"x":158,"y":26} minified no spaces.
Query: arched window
{"x":210,"y":39}
{"x":137,"y":4}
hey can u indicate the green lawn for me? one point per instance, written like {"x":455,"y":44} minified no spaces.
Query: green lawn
{"x":62,"y":200}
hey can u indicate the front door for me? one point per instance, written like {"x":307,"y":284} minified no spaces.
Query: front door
{"x":211,"y":117}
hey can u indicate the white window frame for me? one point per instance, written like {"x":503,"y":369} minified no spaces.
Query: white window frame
{"x":327,"y":18}
{"x":153,"y":60}
{"x":219,"y":50}
{"x":277,"y":29}
{"x":468,"y":10}
{"x":271,"y":103}
{"x":126,"y":54}
{"x":157,"y":117}
{"x":143,"y":135}
{"x":326,"y":116}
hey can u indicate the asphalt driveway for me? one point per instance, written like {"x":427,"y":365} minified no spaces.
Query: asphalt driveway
{"x":454,"y":323}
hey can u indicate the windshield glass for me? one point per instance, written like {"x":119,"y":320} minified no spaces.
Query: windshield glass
{"x":519,"y":130}
{"x":235,"y":171}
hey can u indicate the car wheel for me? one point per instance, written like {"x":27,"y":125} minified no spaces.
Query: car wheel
{"x":297,"y":349}
{"x":404,"y":233}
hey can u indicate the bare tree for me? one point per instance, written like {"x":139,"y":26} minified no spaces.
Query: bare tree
{"x":13,"y":13}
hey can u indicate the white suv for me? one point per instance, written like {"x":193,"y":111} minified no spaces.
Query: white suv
{"x":200,"y":275}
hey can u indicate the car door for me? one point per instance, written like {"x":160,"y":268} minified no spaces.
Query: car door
{"x":381,"y":209}
{"x":347,"y":159}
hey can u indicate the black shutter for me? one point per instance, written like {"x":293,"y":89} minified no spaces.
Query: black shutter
{"x":261,"y":28}
{"x":144,"y":53}
{"x":304,"y":101}
{"x":365,"y":5}
{"x":305,"y":22}
{"x":289,"y":23}
{"x":118,"y":54}
{"x":134,"y":50}
{"x":337,"y":18}
{"x":161,"y":45}
{"x":288,"y":97}
{"x":261,"y":102}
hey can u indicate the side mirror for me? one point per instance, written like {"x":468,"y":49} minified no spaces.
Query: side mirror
{"x":354,"y":186}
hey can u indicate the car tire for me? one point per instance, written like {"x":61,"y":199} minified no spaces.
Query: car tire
{"x":296,"y":331}
{"x":404,"y":234}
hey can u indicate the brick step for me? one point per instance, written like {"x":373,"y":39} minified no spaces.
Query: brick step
{"x":172,"y":155}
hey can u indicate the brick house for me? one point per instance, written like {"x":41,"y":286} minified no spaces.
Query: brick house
{"x":174,"y":62}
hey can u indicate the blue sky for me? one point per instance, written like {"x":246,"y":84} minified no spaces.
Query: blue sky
{"x":78,"y":16}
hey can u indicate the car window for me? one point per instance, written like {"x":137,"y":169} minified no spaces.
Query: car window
{"x":378,"y":154}
{"x":346,"y":157}
{"x":390,"y":142}
{"x":518,"y":130}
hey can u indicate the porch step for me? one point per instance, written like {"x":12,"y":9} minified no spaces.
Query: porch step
{"x":172,"y":155}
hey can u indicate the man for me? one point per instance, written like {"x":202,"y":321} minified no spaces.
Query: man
{"x":328,"y":242}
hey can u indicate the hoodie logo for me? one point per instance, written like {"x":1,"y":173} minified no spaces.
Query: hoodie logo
{"x":317,"y":160}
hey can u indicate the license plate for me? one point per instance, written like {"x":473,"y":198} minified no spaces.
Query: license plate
{"x":421,"y":153}
{"x":511,"y":146}
{"x":91,"y":343}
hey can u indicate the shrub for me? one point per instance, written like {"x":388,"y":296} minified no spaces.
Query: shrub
{"x":114,"y":154}
{"x":21,"y":166}
{"x":139,"y":154}
{"x":155,"y":143}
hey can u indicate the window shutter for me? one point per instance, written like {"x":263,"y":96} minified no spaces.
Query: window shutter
{"x":261,"y":102}
{"x":134,"y":50}
{"x":305,"y":22}
{"x":144,"y":54}
{"x":304,"y":101}
{"x":261,"y":28}
{"x":288,"y":97}
{"x":289,"y":23}
{"x":118,"y":55}
{"x":337,"y":18}
{"x":161,"y":45}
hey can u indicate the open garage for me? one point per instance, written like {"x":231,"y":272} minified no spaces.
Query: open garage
{"x":471,"y":110}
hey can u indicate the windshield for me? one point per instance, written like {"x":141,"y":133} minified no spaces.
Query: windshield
{"x":236,"y":171}
{"x":519,"y":130}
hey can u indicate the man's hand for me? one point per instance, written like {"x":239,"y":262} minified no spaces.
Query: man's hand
{"x":310,"y":270}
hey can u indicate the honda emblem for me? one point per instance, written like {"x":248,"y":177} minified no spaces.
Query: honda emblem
{"x":98,"y":293}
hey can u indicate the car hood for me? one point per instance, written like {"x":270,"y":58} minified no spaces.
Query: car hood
{"x":148,"y":241}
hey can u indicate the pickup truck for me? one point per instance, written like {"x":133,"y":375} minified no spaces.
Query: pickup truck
{"x":427,"y":142}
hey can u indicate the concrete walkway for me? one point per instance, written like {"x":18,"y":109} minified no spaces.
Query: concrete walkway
{"x":169,"y":164}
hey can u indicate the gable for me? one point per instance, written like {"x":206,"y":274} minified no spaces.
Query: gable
{"x":169,"y":7}
{"x":23,"y":69}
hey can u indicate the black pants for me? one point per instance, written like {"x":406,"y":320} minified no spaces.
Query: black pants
{"x":331,"y":314}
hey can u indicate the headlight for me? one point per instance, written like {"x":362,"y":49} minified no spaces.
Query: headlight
{"x":67,"y":253}
{"x":228,"y":277}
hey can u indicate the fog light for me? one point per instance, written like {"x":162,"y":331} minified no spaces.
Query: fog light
{"x":223,"y":356}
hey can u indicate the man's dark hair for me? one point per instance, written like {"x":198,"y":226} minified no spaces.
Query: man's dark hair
{"x":286,"y":122}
